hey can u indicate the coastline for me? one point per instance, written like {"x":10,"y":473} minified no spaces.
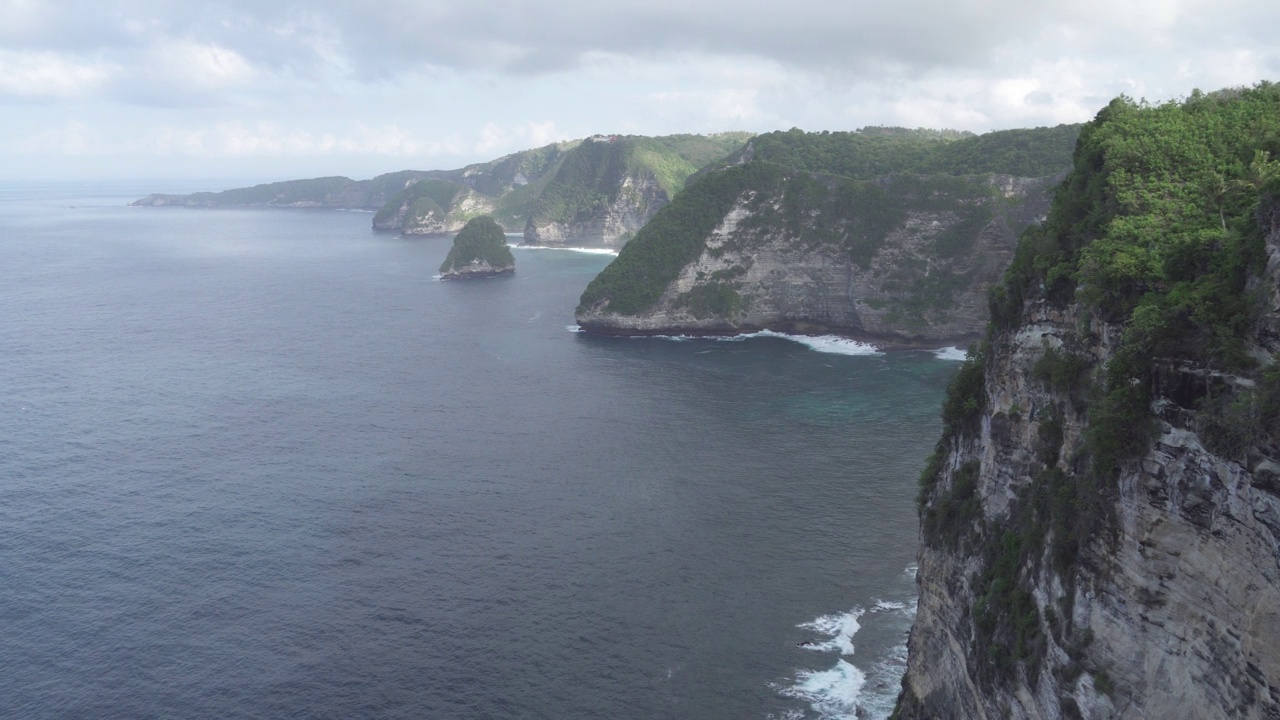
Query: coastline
{"x":879,"y":341}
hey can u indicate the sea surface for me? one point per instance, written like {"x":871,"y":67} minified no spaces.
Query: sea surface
{"x":263,"y":464}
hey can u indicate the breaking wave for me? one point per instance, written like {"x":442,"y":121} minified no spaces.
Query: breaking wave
{"x":831,"y":693}
{"x":590,"y":251}
{"x":846,"y":691}
{"x":840,"y":628}
{"x":822,"y":343}
{"x":951,"y":353}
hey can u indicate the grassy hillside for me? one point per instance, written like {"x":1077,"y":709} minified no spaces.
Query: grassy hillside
{"x":515,"y":170}
{"x":425,"y":197}
{"x":702,"y":150}
{"x":591,"y":176}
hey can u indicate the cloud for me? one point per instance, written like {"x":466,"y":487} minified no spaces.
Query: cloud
{"x":492,"y":137}
{"x":49,"y":74}
{"x":199,"y":64}
{"x":466,"y":81}
{"x":839,"y":39}
{"x":246,"y":51}
{"x":542,"y":133}
{"x":236,"y":139}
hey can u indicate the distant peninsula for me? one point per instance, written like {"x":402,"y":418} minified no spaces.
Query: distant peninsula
{"x":594,"y":192}
{"x":479,"y":251}
{"x":335,"y":193}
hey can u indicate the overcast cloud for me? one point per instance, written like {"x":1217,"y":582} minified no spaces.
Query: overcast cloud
{"x":148,"y":88}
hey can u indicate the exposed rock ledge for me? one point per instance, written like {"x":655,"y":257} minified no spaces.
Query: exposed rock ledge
{"x":477,"y":269}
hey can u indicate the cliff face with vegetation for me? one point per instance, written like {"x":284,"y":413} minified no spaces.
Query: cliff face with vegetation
{"x":610,"y":186}
{"x":446,"y":200}
{"x":479,"y":250}
{"x":1101,"y":519}
{"x":887,"y":234}
{"x":592,"y":193}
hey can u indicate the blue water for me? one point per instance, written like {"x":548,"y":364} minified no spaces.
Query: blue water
{"x":260,"y":464}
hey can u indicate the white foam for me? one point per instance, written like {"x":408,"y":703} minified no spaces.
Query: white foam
{"x":845,"y":691}
{"x":839,"y":628}
{"x":951,"y":353}
{"x":822,"y":343}
{"x":833,"y":693}
{"x":589,"y":251}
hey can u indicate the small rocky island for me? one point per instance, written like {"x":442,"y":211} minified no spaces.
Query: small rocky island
{"x":479,"y":250}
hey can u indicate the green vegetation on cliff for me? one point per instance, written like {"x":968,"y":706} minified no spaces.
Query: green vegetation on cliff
{"x":874,"y":152}
{"x":671,"y":240}
{"x":481,"y":240}
{"x":507,"y":187}
{"x":841,"y":192}
{"x":431,"y":196}
{"x":592,"y":175}
{"x":1157,"y":229}
{"x":1156,"y":237}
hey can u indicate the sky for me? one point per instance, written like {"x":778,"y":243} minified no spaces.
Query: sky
{"x":271,"y":90}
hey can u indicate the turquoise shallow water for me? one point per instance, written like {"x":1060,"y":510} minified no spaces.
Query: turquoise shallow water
{"x":261,"y":464}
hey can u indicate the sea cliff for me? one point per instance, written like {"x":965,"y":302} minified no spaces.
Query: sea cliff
{"x":903,"y":258}
{"x":1101,"y":519}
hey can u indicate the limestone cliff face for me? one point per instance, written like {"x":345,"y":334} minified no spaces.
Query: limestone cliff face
{"x":609,"y":225}
{"x":445,"y":201}
{"x":411,"y":218}
{"x":762,"y":272}
{"x":1169,"y":607}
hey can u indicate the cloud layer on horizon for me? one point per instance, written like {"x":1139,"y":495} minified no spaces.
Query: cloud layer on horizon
{"x":446,"y":82}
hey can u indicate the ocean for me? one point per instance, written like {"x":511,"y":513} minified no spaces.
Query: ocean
{"x":264,"y":464}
